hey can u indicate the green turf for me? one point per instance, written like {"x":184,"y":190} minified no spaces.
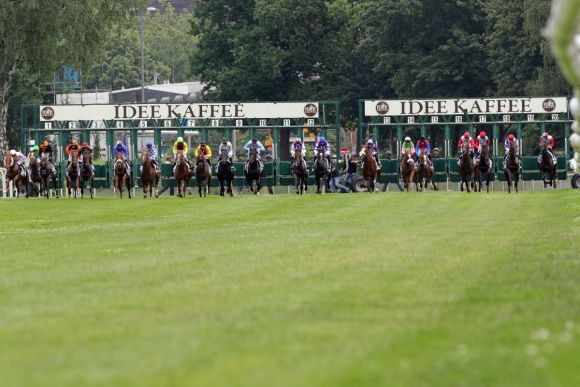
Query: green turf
{"x":434,"y":289}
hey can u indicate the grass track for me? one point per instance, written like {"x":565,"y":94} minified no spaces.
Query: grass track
{"x":345,"y":290}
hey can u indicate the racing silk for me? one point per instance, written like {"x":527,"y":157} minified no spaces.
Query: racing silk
{"x":408,"y":145}
{"x":321,"y":145}
{"x":506,"y":145}
{"x":550,"y":141}
{"x":297,"y":146}
{"x":463,"y":140}
{"x":373,"y":148}
{"x":423,"y":145}
{"x":152,"y":152}
{"x":481,"y":141}
{"x":180,"y":146}
{"x":257,"y":146}
{"x":228,"y":148}
{"x":71,"y":147}
{"x":120,"y":148}
{"x":46,"y":151}
{"x":206,"y":150}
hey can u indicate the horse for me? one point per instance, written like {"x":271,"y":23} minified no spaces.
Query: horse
{"x":408,"y":169}
{"x":546,"y":164}
{"x":424,"y":173}
{"x":370,"y":170}
{"x":300,"y":173}
{"x":182,"y":174}
{"x":465,"y":166}
{"x":253,"y":172}
{"x":149,"y":175}
{"x":86,"y":173}
{"x":225,"y":174}
{"x":13,"y":174}
{"x":321,"y":171}
{"x":72,"y":175}
{"x":512,"y":168}
{"x":121,"y":176}
{"x":34,"y":176}
{"x":482,"y":171}
{"x":47,"y":175}
{"x":202,"y":174}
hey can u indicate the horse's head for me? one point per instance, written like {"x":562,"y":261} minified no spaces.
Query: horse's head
{"x":466,"y":146}
{"x":74,"y":155}
{"x":542,"y":143}
{"x":87,"y":157}
{"x":119,"y":155}
{"x":224,"y":155}
{"x":144,"y":155}
{"x":8,"y":160}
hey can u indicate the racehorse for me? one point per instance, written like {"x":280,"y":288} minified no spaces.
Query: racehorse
{"x":149,"y":176}
{"x":321,"y":171}
{"x":300,"y":173}
{"x":47,"y":175}
{"x":202,"y":174}
{"x":86,"y":173}
{"x":465,"y":167}
{"x":370,"y":169}
{"x":72,"y":175}
{"x":182,"y":174}
{"x":424,"y":174}
{"x":225,"y":174}
{"x":34,"y":176}
{"x":408,"y":169}
{"x":482,"y":171}
{"x":13,"y":174}
{"x":512,"y":168}
{"x":122,"y":179}
{"x":546,"y":164}
{"x":253,"y":172}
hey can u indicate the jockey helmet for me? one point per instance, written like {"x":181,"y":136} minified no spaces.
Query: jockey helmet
{"x":482,"y":134}
{"x":12,"y":152}
{"x":179,"y":139}
{"x":35,"y":148}
{"x":322,"y":139}
{"x":85,"y":143}
{"x":546,"y":134}
{"x":119,"y":142}
{"x":370,"y":141}
{"x":511,"y":137}
{"x":466,"y":135}
{"x":224,"y":140}
{"x":45,"y":142}
{"x":149,"y":144}
{"x":298,"y":139}
{"x":254,"y":140}
{"x":74,"y":141}
{"x":407,"y":138}
{"x":422,"y":138}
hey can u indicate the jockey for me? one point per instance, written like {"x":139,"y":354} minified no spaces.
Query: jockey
{"x":423,"y":144}
{"x":34,"y":152}
{"x":466,"y":138}
{"x":297,"y":146}
{"x":73,"y":146}
{"x":480,"y":142}
{"x":205,"y":150}
{"x":152,"y":153}
{"x":506,"y":146}
{"x":324,"y":146}
{"x":407,"y":144}
{"x":549,"y":144}
{"x":46,"y":151}
{"x":255,"y":146}
{"x":85,"y":147}
{"x":227,"y":146}
{"x":119,"y":147}
{"x":21,"y":161}
{"x":182,"y":146}
{"x":374,"y":149}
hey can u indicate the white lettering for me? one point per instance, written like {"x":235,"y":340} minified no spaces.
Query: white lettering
{"x":435,"y":120}
{"x":507,"y":118}
{"x":410,"y":120}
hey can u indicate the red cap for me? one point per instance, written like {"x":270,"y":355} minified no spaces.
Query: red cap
{"x":466,"y":134}
{"x":511,"y":137}
{"x":482,"y":134}
{"x":85,"y":143}
{"x":546,"y":134}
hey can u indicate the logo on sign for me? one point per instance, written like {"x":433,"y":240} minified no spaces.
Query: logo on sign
{"x":47,"y":113}
{"x":382,"y":108}
{"x":549,"y":105}
{"x":344,"y":150}
{"x":310,"y":110}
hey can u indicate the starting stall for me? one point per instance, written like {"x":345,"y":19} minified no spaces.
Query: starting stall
{"x":274,"y":124}
{"x":444,"y":121}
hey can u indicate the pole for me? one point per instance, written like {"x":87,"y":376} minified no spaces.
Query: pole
{"x":142,"y":61}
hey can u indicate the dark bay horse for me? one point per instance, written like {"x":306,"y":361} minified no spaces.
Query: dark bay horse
{"x":512,"y":167}
{"x":73,"y":175}
{"x":321,"y":171}
{"x":546,"y":164}
{"x":34,"y":177}
{"x":202,"y":174}
{"x":47,"y":176}
{"x":300,"y":173}
{"x":122,"y":179}
{"x":86,"y":174}
{"x":466,"y":167}
{"x":253,"y":173}
{"x":149,"y":176}
{"x":225,"y":174}
{"x":13,"y":174}
{"x":424,"y":174}
{"x":370,"y":170}
{"x":483,"y":170}
{"x":182,"y":175}
{"x":408,"y":169}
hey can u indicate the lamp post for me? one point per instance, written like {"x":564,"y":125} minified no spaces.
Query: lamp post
{"x":143,"y":54}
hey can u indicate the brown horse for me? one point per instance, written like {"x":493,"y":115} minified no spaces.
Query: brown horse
{"x":408,"y":168}
{"x":122,"y":178}
{"x":546,"y":164}
{"x":424,"y":173}
{"x":86,"y":174}
{"x":182,"y":174}
{"x":34,"y":176}
{"x":73,"y":175}
{"x":370,"y":169}
{"x":300,"y":173}
{"x":202,"y":174}
{"x":149,"y":176}
{"x":47,"y":175}
{"x":13,"y":174}
{"x":466,"y":166}
{"x":225,"y":174}
{"x":512,"y":167}
{"x":483,"y":170}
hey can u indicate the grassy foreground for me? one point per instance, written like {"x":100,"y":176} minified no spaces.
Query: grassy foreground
{"x":435,"y":289}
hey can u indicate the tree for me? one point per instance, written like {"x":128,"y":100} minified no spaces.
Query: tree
{"x":43,"y":35}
